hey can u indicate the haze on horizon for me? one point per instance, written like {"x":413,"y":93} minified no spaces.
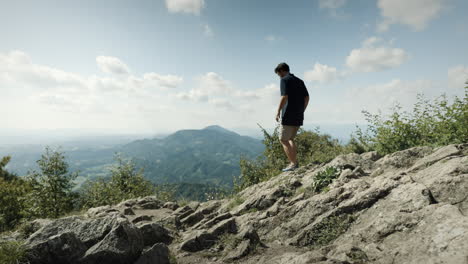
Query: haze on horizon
{"x":154,"y":67}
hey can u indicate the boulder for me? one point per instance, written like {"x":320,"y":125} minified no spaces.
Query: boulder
{"x":157,"y":254}
{"x":154,"y":233}
{"x":61,"y":248}
{"x":123,"y":244}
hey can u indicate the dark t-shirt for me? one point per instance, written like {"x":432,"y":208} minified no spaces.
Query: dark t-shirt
{"x":292,"y":113}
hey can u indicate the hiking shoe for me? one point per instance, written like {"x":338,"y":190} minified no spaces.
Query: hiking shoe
{"x":290,"y":168}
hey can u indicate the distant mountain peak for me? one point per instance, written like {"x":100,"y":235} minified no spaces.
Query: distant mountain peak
{"x":219,"y":129}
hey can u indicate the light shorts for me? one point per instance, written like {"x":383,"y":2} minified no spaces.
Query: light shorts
{"x":287,"y":132}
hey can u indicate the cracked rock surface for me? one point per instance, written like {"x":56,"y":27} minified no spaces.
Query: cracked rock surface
{"x":410,"y":206}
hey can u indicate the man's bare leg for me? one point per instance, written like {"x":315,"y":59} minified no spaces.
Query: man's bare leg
{"x":287,"y":149}
{"x":293,"y":151}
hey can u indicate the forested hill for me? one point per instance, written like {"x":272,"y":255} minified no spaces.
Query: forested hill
{"x":209,"y":155}
{"x":194,"y":156}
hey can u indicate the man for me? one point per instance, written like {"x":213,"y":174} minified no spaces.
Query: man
{"x":293,"y":103}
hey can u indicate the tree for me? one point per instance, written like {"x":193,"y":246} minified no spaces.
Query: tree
{"x":51,"y":194}
{"x":3,"y":172}
{"x":125,"y":182}
{"x":12,"y":192}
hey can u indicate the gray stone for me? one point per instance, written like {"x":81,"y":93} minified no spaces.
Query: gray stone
{"x":123,"y":244}
{"x":154,"y":233}
{"x":61,"y":248}
{"x":157,"y":254}
{"x":171,"y":205}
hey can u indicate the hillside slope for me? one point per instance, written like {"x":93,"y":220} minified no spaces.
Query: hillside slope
{"x":407,"y":207}
{"x":210,"y":155}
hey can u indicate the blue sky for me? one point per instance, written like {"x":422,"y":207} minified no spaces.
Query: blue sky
{"x":162,"y":65}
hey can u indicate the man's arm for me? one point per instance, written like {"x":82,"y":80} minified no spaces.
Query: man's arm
{"x":284,"y":97}
{"x":306,"y":96}
{"x":282,"y":102}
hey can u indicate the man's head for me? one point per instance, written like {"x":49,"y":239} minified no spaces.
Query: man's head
{"x":282,"y":69}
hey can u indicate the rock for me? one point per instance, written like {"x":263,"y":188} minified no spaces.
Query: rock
{"x":88,"y":231}
{"x":438,"y":154}
{"x":225,"y":226}
{"x":171,"y":205}
{"x":128,"y":211}
{"x":216,"y":220}
{"x":404,"y":158}
{"x":123,"y":244}
{"x":410,"y":206}
{"x":194,"y":205}
{"x":157,"y":254}
{"x":149,"y":202}
{"x":192,"y":219}
{"x":295,"y":182}
{"x":371,"y":155}
{"x":240,"y":251}
{"x":154,"y":233}
{"x":101,"y":211}
{"x":142,"y":218}
{"x":198,"y":241}
{"x":61,"y":248}
{"x":128,"y":203}
{"x":208,"y":207}
{"x":263,"y":199}
{"x":184,"y":211}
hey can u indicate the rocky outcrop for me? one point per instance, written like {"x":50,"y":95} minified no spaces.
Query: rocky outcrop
{"x":407,"y":207}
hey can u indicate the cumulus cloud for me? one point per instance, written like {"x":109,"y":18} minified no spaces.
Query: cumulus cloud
{"x":169,"y":81}
{"x":322,"y":74}
{"x":380,"y":97}
{"x":414,"y":13}
{"x":75,"y":92}
{"x":375,"y":55}
{"x":457,"y":77}
{"x":112,"y":65}
{"x":185,"y":6}
{"x":214,"y":89}
{"x":17,"y":69}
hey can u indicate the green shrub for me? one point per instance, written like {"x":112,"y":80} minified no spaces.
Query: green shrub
{"x":13,"y":189}
{"x":328,"y":230}
{"x":429,"y":123}
{"x":312,"y":148}
{"x":12,"y":252}
{"x":125,"y":182}
{"x":324,"y":177}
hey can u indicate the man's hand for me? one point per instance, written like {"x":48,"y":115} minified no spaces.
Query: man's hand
{"x":277,"y":116}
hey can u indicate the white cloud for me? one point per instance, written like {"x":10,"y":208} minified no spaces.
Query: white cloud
{"x":457,"y":77}
{"x":17,"y":69}
{"x":221,"y":103}
{"x":331,"y":4}
{"x":214,"y":89}
{"x":374,"y":98}
{"x":208,"y":31}
{"x":375,"y":55}
{"x":169,"y":81}
{"x":185,"y":6}
{"x":112,"y":65}
{"x":322,"y":74}
{"x":66,"y":91}
{"x":414,"y":13}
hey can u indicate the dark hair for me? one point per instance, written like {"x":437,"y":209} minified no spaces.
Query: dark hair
{"x":282,"y":67}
